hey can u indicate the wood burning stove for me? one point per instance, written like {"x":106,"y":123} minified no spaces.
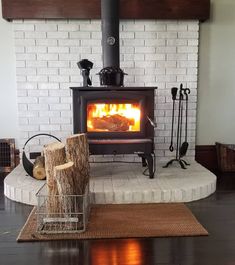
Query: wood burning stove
{"x":117,"y":120}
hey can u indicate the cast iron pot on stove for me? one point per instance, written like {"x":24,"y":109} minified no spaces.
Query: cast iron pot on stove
{"x":111,"y":76}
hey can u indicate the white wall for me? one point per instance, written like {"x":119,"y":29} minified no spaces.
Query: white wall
{"x":216,"y":109}
{"x":153,"y":53}
{"x":8,"y":105}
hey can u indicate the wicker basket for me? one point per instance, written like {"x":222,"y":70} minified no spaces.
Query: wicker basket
{"x":226,"y":157}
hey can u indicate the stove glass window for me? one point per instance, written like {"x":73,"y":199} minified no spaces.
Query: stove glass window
{"x":113,"y":117}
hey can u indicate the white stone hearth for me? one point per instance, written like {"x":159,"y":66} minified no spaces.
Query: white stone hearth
{"x":125,"y":183}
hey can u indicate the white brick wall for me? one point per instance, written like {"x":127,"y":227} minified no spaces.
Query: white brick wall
{"x":153,"y":53}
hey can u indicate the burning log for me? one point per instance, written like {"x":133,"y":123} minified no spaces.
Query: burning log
{"x":112,"y":123}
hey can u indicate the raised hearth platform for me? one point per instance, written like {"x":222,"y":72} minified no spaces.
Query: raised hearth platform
{"x":125,"y":183}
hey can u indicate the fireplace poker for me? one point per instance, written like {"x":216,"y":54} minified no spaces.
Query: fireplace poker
{"x":179,"y":127}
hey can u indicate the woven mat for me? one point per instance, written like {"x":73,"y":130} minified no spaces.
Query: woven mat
{"x":125,"y":221}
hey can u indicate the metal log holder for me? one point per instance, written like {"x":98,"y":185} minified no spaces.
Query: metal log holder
{"x":181,"y":148}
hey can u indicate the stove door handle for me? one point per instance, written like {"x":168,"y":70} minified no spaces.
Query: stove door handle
{"x":154,"y":124}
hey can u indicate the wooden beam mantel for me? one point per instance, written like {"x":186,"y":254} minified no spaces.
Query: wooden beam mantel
{"x":90,"y":9}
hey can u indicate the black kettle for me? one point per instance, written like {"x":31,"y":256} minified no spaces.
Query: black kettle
{"x":111,"y":76}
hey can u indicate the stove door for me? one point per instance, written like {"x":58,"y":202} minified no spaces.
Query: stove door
{"x":117,"y":116}
{"x":113,"y":114}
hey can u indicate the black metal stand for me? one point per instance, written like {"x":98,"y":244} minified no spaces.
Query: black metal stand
{"x":178,"y":157}
{"x":182,"y":163}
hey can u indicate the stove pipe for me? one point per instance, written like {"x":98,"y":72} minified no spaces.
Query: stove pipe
{"x":110,"y":33}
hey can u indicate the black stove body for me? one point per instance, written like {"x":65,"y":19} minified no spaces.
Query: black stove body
{"x":117,"y":119}
{"x":116,"y":131}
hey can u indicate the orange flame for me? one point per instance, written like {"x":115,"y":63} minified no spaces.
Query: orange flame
{"x":105,"y":117}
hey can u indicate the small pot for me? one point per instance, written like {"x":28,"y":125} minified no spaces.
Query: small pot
{"x":111,"y":76}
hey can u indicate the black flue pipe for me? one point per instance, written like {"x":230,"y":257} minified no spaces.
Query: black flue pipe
{"x":110,"y":33}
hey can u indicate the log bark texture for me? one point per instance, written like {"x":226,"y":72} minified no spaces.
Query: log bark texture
{"x":39,"y":171}
{"x":66,"y":184}
{"x":77,"y":150}
{"x":54,"y":156}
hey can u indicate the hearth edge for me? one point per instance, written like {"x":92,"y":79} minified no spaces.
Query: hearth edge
{"x":21,"y":188}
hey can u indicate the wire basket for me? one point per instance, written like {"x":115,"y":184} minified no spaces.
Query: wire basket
{"x":72,"y":214}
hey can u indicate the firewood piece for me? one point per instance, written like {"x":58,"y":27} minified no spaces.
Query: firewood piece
{"x":39,"y":171}
{"x":54,"y":155}
{"x":77,"y":150}
{"x":64,"y":175}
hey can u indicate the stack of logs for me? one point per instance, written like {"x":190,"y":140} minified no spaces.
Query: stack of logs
{"x":67,"y":171}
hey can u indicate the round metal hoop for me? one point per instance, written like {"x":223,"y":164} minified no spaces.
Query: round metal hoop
{"x":27,"y":164}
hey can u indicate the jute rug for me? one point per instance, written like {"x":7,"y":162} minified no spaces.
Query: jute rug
{"x":125,"y":221}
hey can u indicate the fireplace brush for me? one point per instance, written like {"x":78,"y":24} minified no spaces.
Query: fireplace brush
{"x":181,"y":148}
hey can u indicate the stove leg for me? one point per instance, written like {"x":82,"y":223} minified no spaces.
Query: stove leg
{"x":144,"y":163}
{"x":149,"y":159}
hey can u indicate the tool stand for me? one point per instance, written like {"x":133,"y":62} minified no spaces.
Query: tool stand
{"x":181,"y":148}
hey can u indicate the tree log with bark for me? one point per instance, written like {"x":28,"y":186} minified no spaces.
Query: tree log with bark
{"x":54,"y":156}
{"x":66,"y":184}
{"x":67,"y":170}
{"x":77,"y":151}
{"x":39,"y":171}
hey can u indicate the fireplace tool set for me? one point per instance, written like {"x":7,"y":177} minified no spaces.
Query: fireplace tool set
{"x":181,"y":140}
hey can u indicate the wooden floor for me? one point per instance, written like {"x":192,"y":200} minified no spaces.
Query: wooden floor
{"x":216,"y":213}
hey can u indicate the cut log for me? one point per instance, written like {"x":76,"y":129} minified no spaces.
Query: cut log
{"x":64,"y":175}
{"x":39,"y":171}
{"x":77,"y":150}
{"x":54,"y":156}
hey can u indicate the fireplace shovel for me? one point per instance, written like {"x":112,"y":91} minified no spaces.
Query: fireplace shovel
{"x":173,"y":93}
{"x":184,"y":147}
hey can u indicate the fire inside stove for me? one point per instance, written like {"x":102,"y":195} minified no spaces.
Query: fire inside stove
{"x":106,"y":117}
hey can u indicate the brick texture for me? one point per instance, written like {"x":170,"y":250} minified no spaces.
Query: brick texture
{"x":153,"y":53}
